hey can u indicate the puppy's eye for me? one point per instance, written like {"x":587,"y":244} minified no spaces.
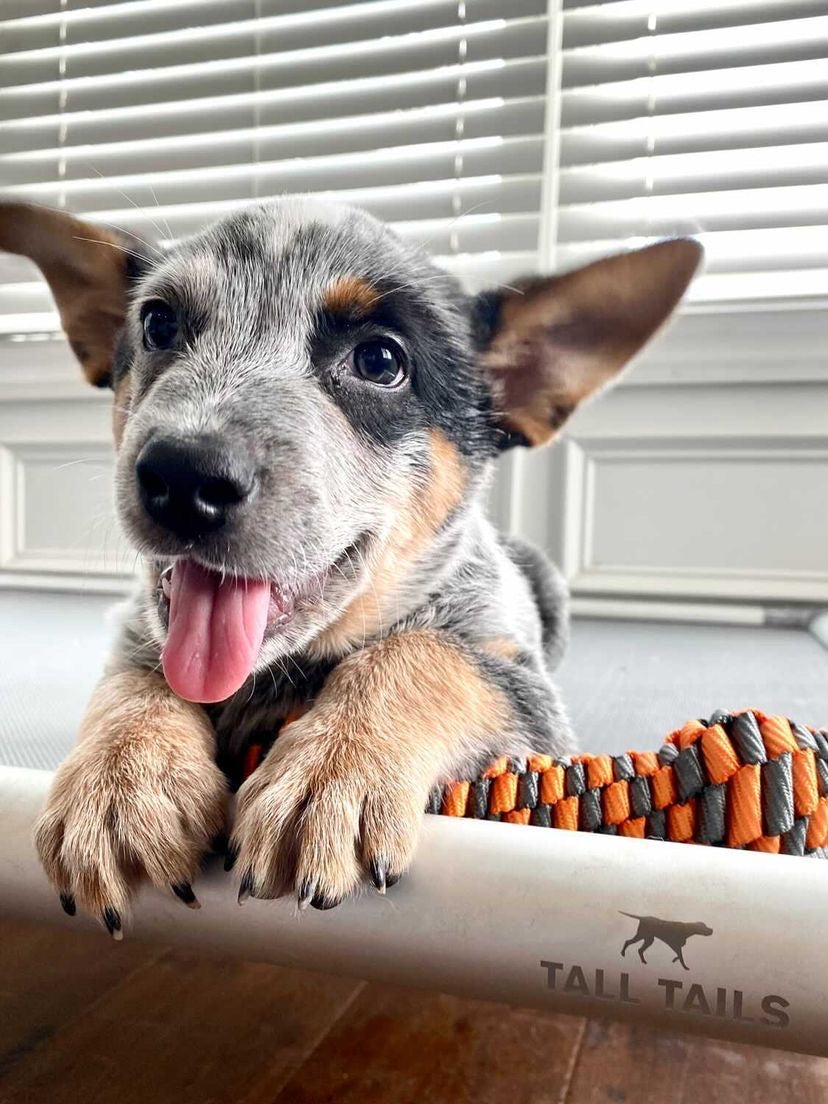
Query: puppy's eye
{"x":160,"y":325}
{"x":380,"y":362}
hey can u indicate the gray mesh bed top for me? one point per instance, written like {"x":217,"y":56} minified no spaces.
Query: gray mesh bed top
{"x":625,"y":683}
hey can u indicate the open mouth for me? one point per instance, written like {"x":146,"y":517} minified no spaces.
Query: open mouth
{"x":216,"y":624}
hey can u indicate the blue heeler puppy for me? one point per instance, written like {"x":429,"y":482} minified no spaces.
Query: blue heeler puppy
{"x":307,"y":413}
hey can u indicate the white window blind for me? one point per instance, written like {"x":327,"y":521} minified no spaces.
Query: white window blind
{"x":700,"y":116}
{"x":676,"y":116}
{"x":158,"y":116}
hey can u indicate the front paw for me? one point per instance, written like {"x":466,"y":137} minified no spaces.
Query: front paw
{"x":139,"y":797}
{"x":320,"y":815}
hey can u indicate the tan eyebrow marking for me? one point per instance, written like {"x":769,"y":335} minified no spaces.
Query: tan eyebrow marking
{"x":351,"y":295}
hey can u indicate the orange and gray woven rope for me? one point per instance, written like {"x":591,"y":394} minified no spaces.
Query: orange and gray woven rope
{"x":742,"y":780}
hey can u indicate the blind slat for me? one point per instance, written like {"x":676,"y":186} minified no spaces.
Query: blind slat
{"x":77,"y":158}
{"x":730,"y":252}
{"x":762,"y":166}
{"x":128,"y":28}
{"x":700,"y":131}
{"x":594,"y":24}
{"x":501,"y":127}
{"x":774,"y":83}
{"x":149,"y":62}
{"x":697,"y":51}
{"x":432,"y":198}
{"x":353,"y":167}
{"x":738,"y":209}
{"x":121,"y":108}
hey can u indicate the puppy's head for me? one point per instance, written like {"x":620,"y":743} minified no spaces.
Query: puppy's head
{"x":303,"y":402}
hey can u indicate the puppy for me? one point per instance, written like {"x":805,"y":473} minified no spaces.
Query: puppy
{"x":307,"y":412}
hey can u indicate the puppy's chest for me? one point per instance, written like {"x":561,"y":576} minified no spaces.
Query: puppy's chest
{"x":248,"y":723}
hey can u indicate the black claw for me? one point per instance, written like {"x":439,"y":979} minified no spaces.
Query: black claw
{"x":391,"y":880}
{"x":305,"y":894}
{"x":323,"y":903}
{"x":184,"y":892}
{"x":246,"y":888}
{"x":67,"y":903}
{"x":378,"y":875}
{"x":230,"y":857}
{"x":218,"y":844}
{"x":112,"y":922}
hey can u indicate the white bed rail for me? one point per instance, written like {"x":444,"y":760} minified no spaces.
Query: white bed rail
{"x":529,"y":916}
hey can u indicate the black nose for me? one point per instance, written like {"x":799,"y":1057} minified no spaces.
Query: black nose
{"x":190,"y":487}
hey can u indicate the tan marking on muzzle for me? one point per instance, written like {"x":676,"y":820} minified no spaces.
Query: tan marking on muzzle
{"x":442,"y":493}
{"x":425,"y":507}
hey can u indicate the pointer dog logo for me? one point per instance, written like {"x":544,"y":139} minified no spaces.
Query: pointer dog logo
{"x":672,"y":933}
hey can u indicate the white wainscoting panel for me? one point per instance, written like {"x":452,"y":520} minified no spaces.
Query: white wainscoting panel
{"x":58,"y":527}
{"x":62,"y":511}
{"x":685,"y":517}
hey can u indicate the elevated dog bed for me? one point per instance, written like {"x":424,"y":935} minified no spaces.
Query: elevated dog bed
{"x":536,"y":918}
{"x":728,"y":942}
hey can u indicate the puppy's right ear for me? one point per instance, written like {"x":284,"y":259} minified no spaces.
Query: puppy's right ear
{"x":549,"y":343}
{"x":89,"y":270}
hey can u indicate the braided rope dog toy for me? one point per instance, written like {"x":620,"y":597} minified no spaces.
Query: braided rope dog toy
{"x":743,"y":780}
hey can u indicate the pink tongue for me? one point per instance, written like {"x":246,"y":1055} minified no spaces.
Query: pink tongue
{"x":216,"y":630}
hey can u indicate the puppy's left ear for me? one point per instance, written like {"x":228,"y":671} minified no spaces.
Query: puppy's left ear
{"x":551,"y":342}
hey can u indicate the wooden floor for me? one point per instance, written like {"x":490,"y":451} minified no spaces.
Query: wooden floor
{"x":83,"y":1019}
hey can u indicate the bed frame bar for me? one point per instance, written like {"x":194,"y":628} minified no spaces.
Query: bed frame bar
{"x":728,"y":943}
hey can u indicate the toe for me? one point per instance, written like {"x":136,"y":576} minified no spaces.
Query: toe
{"x":389,"y":833}
{"x":327,"y":855}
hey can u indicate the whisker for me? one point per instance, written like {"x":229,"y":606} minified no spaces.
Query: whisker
{"x":112,"y":245}
{"x":130,"y":200}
